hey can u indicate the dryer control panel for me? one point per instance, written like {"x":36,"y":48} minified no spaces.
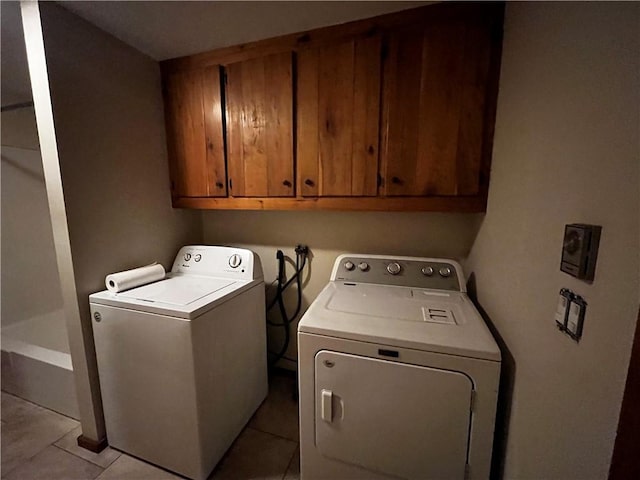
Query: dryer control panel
{"x":417,"y":272}
{"x":214,"y":261}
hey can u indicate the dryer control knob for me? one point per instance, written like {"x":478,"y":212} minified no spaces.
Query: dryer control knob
{"x":349,"y":265}
{"x":428,"y":271}
{"x":394,"y":268}
{"x":444,"y":271}
{"x":364,"y":266}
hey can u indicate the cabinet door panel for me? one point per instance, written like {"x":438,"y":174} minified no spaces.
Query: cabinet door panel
{"x":260,"y":127}
{"x":475,"y":97}
{"x":194,"y":128}
{"x":435,"y":88}
{"x":338,"y":101}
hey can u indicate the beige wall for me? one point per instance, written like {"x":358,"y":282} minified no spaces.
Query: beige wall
{"x":108,"y":118}
{"x":328,"y":234}
{"x":19,"y":128}
{"x":566,"y":151}
{"x":28,"y":255}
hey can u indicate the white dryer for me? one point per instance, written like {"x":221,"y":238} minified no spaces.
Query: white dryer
{"x":183,"y":361}
{"x":398,"y":374}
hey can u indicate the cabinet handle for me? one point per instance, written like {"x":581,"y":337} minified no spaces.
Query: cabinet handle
{"x":309,"y":182}
{"x":286,"y":183}
{"x":219,"y":184}
{"x":396,"y":180}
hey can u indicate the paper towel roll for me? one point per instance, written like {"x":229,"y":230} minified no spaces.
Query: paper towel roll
{"x":117,"y":282}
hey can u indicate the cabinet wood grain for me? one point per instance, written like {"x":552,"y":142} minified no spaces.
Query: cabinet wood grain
{"x":260,"y":127}
{"x":338,"y":107}
{"x":435,"y":86}
{"x":467,"y":204}
{"x":394,"y":113}
{"x":195,"y":132}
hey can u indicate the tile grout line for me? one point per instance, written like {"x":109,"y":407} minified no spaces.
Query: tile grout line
{"x":86,"y":460}
{"x":286,"y":470}
{"x":28,"y":459}
{"x":38,"y":408}
{"x":83,"y":459}
{"x":274,"y":434}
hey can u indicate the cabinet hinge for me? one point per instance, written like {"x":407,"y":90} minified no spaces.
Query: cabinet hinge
{"x":473,"y":400}
{"x":380,"y":180}
{"x":230,"y":184}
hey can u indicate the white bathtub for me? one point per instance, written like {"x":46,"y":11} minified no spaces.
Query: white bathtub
{"x":36,"y":364}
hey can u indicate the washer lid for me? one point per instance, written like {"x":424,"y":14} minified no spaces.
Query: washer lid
{"x":177,"y":290}
{"x":179,"y":295}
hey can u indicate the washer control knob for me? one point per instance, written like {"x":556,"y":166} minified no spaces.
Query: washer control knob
{"x":364,"y":266}
{"x":187,"y":257}
{"x":349,"y":265}
{"x":235,"y":260}
{"x":394,"y":268}
{"x":445,"y":272}
{"x":428,"y":271}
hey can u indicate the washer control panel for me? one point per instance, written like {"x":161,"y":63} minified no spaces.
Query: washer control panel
{"x":433,"y":273}
{"x":226,"y":262}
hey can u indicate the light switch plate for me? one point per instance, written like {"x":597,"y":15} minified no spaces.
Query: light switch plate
{"x":562,"y":310}
{"x":575,"y":317}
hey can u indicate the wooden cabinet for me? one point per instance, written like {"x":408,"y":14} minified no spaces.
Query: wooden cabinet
{"x":195,"y":132}
{"x":435,"y":94}
{"x":260,"y":127}
{"x":389,"y":113}
{"x":338,"y":107}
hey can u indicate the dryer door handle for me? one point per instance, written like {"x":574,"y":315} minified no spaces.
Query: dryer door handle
{"x":326,"y":405}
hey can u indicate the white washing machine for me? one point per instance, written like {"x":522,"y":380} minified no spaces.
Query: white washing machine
{"x":398,"y":374}
{"x":183,"y":361}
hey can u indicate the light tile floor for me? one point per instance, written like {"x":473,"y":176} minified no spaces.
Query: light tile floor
{"x":40,"y":444}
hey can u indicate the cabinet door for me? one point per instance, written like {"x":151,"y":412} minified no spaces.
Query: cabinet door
{"x":260,"y":127}
{"x":435,"y":90}
{"x":338,"y":110}
{"x":195,"y":133}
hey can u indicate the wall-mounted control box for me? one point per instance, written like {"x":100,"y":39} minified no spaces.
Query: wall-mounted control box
{"x":570,"y":313}
{"x":580,"y":250}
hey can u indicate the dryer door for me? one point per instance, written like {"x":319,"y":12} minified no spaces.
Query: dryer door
{"x":402,"y":420}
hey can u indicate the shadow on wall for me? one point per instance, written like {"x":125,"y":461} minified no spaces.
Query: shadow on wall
{"x":385,"y":233}
{"x":329,"y":234}
{"x":505,"y":394}
{"x":276,"y":334}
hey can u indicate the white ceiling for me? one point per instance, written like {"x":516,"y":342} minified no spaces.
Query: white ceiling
{"x":168,"y":29}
